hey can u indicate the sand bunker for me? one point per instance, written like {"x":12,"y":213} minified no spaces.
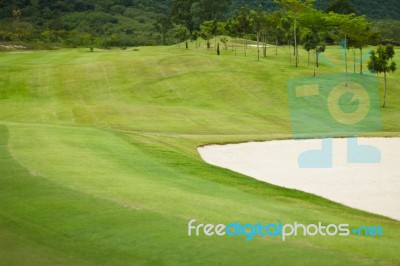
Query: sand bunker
{"x":373,"y":187}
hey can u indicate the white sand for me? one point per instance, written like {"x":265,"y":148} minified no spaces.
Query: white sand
{"x":371,"y":187}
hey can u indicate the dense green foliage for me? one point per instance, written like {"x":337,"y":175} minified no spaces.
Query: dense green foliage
{"x":107,"y":23}
{"x":389,"y":30}
{"x":373,"y":9}
{"x":76,"y":22}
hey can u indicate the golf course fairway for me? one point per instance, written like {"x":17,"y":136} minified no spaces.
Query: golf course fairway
{"x":99,"y":161}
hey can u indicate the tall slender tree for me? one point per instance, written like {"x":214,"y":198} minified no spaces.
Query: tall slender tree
{"x":294,"y":8}
{"x":381,"y":61}
{"x":257,"y":22}
{"x":231,"y":29}
{"x":316,"y":23}
{"x":310,"y":42}
{"x":243,"y":24}
{"x":208,"y":29}
{"x":359,"y":37}
{"x":344,"y":24}
{"x":16,"y":13}
{"x":274,"y":22}
{"x":285,"y":25}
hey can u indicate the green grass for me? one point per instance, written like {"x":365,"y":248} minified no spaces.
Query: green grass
{"x":98,"y":160}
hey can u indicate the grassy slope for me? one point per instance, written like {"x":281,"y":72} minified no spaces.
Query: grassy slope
{"x":99,"y":166}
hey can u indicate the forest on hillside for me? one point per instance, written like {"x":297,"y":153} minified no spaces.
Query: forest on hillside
{"x":106,"y":23}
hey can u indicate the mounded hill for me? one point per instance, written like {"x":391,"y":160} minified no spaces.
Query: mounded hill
{"x":98,"y":160}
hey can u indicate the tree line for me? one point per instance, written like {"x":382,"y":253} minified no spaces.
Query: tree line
{"x":296,"y":23}
{"x":107,"y":23}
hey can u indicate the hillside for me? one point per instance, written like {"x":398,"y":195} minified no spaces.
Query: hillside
{"x":48,"y":9}
{"x":373,"y":9}
{"x":123,"y":22}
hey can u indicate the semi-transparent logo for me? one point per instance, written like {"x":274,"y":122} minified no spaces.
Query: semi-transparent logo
{"x":335,"y":105}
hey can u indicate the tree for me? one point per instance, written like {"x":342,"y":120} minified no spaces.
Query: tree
{"x":294,"y":8}
{"x":274,"y":22}
{"x":89,"y":41}
{"x":163,"y":25}
{"x":181,"y":13}
{"x":219,"y":30}
{"x":257,"y":22}
{"x":285,"y":25}
{"x":358,"y":36}
{"x":214,"y":32}
{"x":316,"y":23}
{"x":310,"y":42}
{"x":195,"y":37}
{"x":207,"y":31}
{"x":266,"y":31}
{"x":16,"y":13}
{"x":344,"y":24}
{"x":321,"y":47}
{"x":232,"y":29}
{"x":181,"y":33}
{"x":381,"y":61}
{"x":243,"y":24}
{"x":224,"y":40}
